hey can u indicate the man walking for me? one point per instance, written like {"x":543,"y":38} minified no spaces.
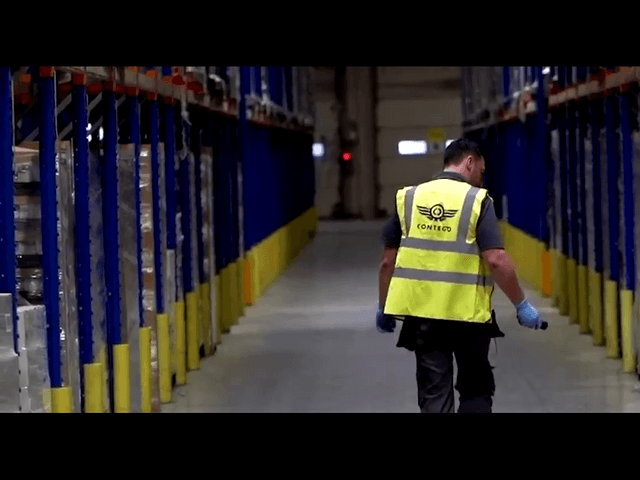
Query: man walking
{"x":443,"y":252}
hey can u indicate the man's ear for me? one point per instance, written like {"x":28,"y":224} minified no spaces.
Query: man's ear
{"x":468,"y":162}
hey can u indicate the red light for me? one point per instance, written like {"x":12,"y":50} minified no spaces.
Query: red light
{"x":346,"y":156}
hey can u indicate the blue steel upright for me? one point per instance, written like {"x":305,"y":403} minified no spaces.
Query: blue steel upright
{"x":572,"y":171}
{"x":49,"y":206}
{"x":613,"y":172}
{"x":595,"y":110}
{"x":170,"y":174}
{"x":154,"y":131}
{"x":582,"y":193}
{"x":542,"y":149}
{"x":7,"y":224}
{"x":185,"y":207}
{"x":82,"y":224}
{"x":134,"y":131}
{"x":196,"y":149}
{"x":111,"y":232}
{"x":245,"y":144}
{"x":564,"y":199}
{"x":629,"y":273}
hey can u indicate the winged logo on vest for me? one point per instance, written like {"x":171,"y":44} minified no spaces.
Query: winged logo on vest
{"x":437,"y":212}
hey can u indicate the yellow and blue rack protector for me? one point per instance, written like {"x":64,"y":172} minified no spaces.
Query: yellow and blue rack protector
{"x":89,"y":253}
{"x":627,"y":231}
{"x":149,"y":278}
{"x":636,"y":213}
{"x":593,"y":220}
{"x":129,"y":351}
{"x":595,"y":164}
{"x":160,"y":327}
{"x":58,"y":259}
{"x":190,"y":259}
{"x":172,"y":163}
{"x":611,"y":219}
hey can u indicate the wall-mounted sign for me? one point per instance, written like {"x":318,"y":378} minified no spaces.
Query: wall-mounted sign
{"x":436,"y":135}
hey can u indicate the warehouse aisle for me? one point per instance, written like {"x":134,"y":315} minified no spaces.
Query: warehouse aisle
{"x":310,"y":345}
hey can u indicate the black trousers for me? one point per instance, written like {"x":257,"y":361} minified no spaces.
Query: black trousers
{"x":436,"y":343}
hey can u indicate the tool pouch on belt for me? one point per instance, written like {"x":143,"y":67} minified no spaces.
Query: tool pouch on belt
{"x":495,"y":331}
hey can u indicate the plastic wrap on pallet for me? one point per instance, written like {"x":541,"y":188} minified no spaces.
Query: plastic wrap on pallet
{"x":205,"y":166}
{"x":130,"y":317}
{"x":571,"y":181}
{"x":234,"y":82}
{"x":171,"y":276}
{"x":179,"y":283}
{"x":162,"y":204}
{"x":23,"y":363}
{"x":194,"y":230}
{"x":146,"y":223}
{"x":208,"y":232}
{"x":34,"y":353}
{"x":167,"y":288}
{"x":10,"y":400}
{"x":69,"y":339}
{"x":194,"y":223}
{"x":28,"y":237}
{"x":148,"y":262}
{"x":606,"y":258}
{"x":98,"y":282}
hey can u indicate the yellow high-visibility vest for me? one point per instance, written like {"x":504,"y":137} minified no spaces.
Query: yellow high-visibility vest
{"x":439,"y":271}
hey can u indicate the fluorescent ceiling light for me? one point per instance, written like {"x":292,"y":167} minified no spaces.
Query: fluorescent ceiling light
{"x":412,"y":147}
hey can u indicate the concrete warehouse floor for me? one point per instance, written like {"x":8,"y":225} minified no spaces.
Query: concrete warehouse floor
{"x":310,"y":345}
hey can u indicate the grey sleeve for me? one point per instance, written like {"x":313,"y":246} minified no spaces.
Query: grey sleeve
{"x":392,"y":232}
{"x":488,"y":231}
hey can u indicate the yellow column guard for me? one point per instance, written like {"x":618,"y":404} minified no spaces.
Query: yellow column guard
{"x":61,"y":400}
{"x":626,"y":320}
{"x":583,"y":300}
{"x":93,"y":388}
{"x":181,"y":344}
{"x":611,"y":318}
{"x":121,"y":378}
{"x":146,"y":375}
{"x":164,"y":357}
{"x":193,"y":352}
{"x":595,"y":307}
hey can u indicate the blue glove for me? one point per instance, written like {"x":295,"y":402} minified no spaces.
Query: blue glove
{"x":527,"y":315}
{"x":384,"y":323}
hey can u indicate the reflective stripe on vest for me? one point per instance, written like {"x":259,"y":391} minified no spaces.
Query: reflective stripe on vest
{"x":449,"y":277}
{"x":408,"y":209}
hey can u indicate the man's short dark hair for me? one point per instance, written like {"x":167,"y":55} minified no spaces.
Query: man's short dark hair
{"x":459,"y":149}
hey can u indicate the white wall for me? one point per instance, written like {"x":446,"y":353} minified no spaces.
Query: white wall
{"x":327,"y":170}
{"x":411,"y":100}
